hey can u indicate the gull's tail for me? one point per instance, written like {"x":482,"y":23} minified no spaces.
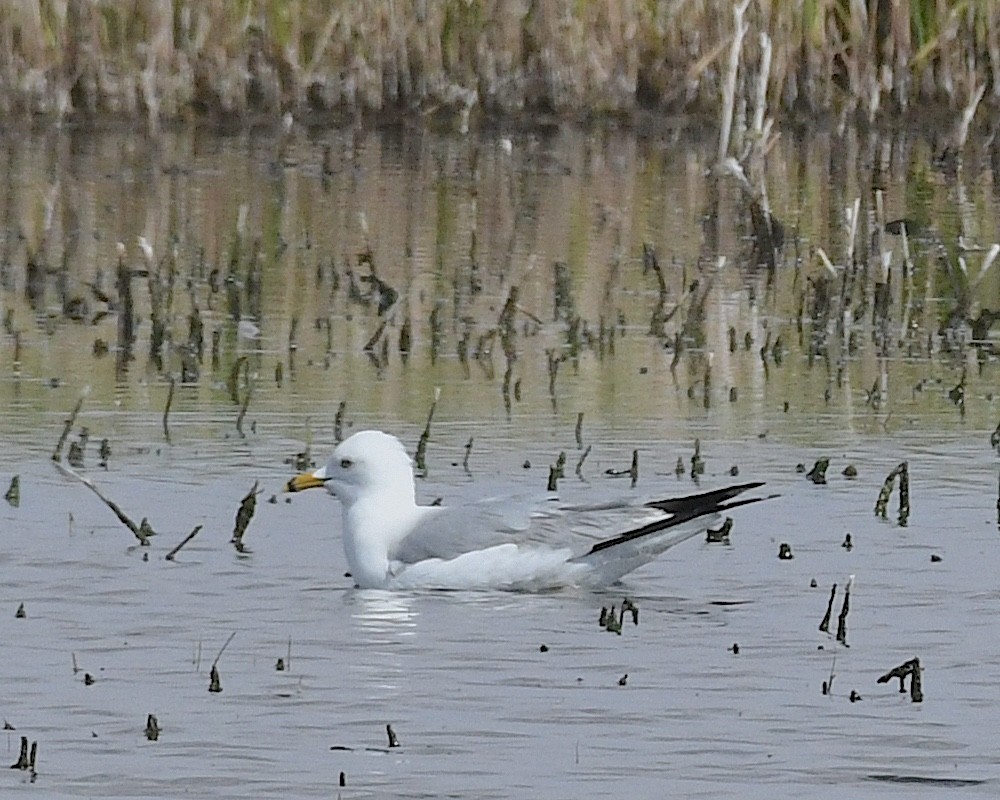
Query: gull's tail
{"x":690,"y":516}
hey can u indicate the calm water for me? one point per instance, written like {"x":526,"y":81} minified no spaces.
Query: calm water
{"x":450,"y":225}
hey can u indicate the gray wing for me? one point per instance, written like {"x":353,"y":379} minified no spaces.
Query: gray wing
{"x":449,"y":531}
{"x":605,"y":529}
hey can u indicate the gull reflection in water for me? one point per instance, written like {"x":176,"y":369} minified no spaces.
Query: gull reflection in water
{"x":381,"y":611}
{"x":385,"y":624}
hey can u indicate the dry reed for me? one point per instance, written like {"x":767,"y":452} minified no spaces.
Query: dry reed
{"x":167,"y":60}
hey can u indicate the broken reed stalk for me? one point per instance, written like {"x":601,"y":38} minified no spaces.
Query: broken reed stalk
{"x":22,"y":759}
{"x":634,"y":469}
{"x":26,"y":760}
{"x":222,"y":650}
{"x":243,"y":516}
{"x":13,"y":494}
{"x":659,"y":318}
{"x":554,"y":362}
{"x":828,"y":684}
{"x":824,"y":626}
{"x":468,"y":452}
{"x":338,"y":422}
{"x":579,"y":431}
{"x":962,"y":132}
{"x":233,"y":383}
{"x":170,"y":556}
{"x":553,"y":482}
{"x":818,"y":473}
{"x":909,"y":668}
{"x":740,"y":29}
{"x":166,"y":410}
{"x":904,"y":493}
{"x":68,"y":426}
{"x":142,"y":531}
{"x":243,"y":408}
{"x":420,"y":458}
{"x":612,"y":623}
{"x":579,"y":469}
{"x":842,"y":619}
{"x":760,"y":105}
{"x":697,"y":462}
{"x":881,"y":504}
{"x":721,"y":534}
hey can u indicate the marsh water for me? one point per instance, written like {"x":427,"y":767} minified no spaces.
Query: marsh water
{"x":287,"y":274}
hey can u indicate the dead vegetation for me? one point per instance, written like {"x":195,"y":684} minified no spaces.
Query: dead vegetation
{"x":164,"y":61}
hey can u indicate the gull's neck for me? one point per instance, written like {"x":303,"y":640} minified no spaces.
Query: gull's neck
{"x":374,"y":523}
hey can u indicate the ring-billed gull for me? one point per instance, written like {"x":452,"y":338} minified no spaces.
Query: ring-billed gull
{"x":393,"y":543}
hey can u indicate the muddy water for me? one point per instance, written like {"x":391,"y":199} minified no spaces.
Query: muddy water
{"x":449,"y":225}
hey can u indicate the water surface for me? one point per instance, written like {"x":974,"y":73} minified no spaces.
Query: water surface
{"x":451,"y":225}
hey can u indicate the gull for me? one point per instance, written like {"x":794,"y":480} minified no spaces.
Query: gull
{"x":391,"y":542}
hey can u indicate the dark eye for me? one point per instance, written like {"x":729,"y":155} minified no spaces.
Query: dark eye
{"x":345,"y":463}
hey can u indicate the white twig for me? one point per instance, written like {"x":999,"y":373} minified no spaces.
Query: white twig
{"x":825,"y":259}
{"x":740,"y":29}
{"x":991,"y":256}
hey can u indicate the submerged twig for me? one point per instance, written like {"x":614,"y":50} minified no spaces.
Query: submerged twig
{"x":881,"y":504}
{"x":338,"y":422}
{"x":612,"y":622}
{"x":632,"y":608}
{"x":393,"y":741}
{"x":170,"y":556}
{"x":909,"y":668}
{"x":234,"y":378}
{"x":166,"y":410}
{"x":740,"y":28}
{"x":243,"y":410}
{"x":68,"y":426}
{"x":223,"y":649}
{"x":824,"y":625}
{"x":697,"y":462}
{"x":13,"y":494}
{"x":632,"y":472}
{"x":420,"y":458}
{"x":243,"y":516}
{"x":828,"y":684}
{"x":557,"y":471}
{"x":142,"y":531}
{"x":818,"y":473}
{"x":720,"y":534}
{"x":22,"y":759}
{"x":842,"y":619}
{"x":468,"y":452}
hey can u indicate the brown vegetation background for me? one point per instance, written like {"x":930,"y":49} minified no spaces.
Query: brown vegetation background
{"x":156,"y":61}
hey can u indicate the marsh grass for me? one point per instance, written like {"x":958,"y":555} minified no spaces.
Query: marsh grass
{"x":165,"y":60}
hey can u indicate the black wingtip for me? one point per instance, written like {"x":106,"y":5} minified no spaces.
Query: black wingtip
{"x":680,"y":505}
{"x":685,"y":509}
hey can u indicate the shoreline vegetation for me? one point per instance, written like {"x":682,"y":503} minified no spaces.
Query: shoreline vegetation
{"x":231,"y":63}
